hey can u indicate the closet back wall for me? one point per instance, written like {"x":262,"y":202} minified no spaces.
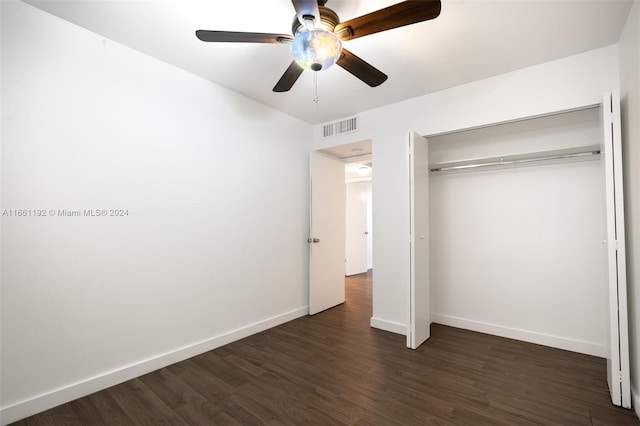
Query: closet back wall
{"x":518,"y":252}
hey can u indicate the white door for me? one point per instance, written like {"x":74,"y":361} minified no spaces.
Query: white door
{"x":618,"y":357}
{"x":357,"y":228}
{"x":327,"y":233}
{"x":419,"y":240}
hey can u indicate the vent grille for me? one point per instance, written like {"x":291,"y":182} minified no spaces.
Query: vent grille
{"x":339,"y":127}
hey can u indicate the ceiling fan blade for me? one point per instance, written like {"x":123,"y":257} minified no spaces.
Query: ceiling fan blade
{"x":398,"y":15}
{"x":241,"y":37}
{"x":307,"y":8}
{"x":361,"y":69}
{"x":289,"y":77}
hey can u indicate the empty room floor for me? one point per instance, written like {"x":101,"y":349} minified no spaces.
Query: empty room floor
{"x":333,"y":369}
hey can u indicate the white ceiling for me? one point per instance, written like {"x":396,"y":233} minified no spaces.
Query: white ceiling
{"x":348,"y":152}
{"x":470,"y":40}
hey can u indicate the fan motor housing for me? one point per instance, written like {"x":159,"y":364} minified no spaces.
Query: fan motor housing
{"x":328,"y":19}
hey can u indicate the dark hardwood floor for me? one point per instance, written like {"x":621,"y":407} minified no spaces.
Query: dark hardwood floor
{"x":333,"y":369}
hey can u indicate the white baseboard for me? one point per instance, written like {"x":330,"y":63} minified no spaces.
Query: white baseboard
{"x":393,"y":327}
{"x":524,"y":335}
{"x":635,"y":401}
{"x":77,"y":390}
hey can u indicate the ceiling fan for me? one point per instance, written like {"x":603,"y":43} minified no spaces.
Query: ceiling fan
{"x":318,"y":34}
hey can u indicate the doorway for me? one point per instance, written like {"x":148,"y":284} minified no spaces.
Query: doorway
{"x":358,"y":166}
{"x":358,"y":218}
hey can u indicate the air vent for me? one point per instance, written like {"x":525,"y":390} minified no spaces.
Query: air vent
{"x":347,"y":125}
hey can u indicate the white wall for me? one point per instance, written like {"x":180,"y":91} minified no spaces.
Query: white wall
{"x":560,"y":85}
{"x":517,"y":252}
{"x":630,"y":94}
{"x":216,"y":188}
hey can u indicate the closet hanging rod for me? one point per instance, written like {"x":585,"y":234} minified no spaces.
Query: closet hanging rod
{"x":512,"y":160}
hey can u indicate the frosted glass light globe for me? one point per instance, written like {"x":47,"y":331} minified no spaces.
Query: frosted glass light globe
{"x":316,"y":50}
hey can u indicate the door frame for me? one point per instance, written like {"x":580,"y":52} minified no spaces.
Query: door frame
{"x":349,"y":152}
{"x":326,"y":232}
{"x":355,"y":238}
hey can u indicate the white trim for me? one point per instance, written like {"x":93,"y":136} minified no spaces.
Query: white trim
{"x":391,"y":326}
{"x":523,"y":335}
{"x":77,"y":390}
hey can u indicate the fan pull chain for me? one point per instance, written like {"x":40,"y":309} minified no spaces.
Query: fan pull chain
{"x":316,"y":98}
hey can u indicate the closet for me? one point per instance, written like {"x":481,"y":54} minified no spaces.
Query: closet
{"x":526,"y":234}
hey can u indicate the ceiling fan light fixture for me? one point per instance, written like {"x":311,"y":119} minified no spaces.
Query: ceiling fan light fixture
{"x":316,"y":50}
{"x":318,"y":35}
